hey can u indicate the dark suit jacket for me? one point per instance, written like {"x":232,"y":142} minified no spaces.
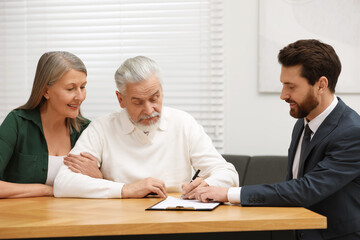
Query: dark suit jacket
{"x":331,"y":184}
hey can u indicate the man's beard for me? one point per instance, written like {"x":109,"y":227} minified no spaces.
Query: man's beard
{"x":152,"y":125}
{"x":304,"y":109}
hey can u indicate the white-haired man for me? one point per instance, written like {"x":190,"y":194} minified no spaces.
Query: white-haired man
{"x":145,"y":148}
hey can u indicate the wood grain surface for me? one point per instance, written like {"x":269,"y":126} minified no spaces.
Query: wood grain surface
{"x":63,"y":217}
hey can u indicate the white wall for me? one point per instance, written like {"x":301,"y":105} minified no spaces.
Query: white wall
{"x":255,"y":124}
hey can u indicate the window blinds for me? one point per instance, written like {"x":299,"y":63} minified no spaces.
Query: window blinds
{"x":185,"y":37}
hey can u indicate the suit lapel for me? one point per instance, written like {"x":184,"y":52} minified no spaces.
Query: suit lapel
{"x":326,"y":127}
{"x":298,"y":128}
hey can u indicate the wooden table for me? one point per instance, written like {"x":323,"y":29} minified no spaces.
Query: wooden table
{"x":64,"y":217}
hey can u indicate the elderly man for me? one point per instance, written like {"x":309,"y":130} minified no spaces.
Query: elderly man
{"x":145,"y":148}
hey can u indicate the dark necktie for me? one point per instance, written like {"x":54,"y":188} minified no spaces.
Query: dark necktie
{"x":304,"y":146}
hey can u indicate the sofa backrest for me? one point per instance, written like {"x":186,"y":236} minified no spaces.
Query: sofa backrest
{"x":265,"y":169}
{"x":259,"y":169}
{"x":240,"y":163}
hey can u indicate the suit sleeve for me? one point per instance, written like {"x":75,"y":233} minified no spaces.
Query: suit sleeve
{"x":339,"y":166}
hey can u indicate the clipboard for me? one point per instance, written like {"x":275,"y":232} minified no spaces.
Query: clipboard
{"x":178,"y":204}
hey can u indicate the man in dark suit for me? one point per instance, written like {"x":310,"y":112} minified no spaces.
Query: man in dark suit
{"x":324,"y":154}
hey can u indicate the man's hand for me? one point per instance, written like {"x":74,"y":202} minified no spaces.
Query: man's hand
{"x":188,"y":189}
{"x":85,"y":163}
{"x":144,"y":187}
{"x":207,"y":194}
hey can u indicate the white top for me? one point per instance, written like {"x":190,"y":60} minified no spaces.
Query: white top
{"x":234,"y":193}
{"x":54,"y":164}
{"x":126,"y":155}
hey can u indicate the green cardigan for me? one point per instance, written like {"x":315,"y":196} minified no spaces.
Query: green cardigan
{"x":23,"y":148}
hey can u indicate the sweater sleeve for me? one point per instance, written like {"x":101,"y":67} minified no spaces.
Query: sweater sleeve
{"x":70,"y":184}
{"x":214,"y":168}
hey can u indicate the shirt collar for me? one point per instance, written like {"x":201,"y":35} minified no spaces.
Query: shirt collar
{"x":32,"y":115}
{"x":128,"y":127}
{"x":316,"y":122}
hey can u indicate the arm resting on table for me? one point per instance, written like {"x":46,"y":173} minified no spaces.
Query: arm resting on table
{"x":70,"y":184}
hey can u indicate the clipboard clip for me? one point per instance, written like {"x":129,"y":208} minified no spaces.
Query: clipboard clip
{"x":180,"y":208}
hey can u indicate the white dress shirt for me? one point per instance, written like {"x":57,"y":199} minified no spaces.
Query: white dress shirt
{"x":234,"y":193}
{"x":126,"y":155}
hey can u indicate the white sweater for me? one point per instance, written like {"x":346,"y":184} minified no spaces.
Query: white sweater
{"x":126,"y":155}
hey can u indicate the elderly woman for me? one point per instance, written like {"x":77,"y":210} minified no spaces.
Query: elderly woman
{"x":35,"y":137}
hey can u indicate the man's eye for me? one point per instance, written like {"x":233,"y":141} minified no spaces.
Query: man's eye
{"x":289,"y":87}
{"x":154,"y":99}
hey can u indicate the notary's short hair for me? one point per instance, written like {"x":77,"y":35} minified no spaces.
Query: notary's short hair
{"x":316,"y":58}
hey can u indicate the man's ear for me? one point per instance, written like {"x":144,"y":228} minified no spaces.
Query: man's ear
{"x":322,"y":84}
{"x":121,"y":99}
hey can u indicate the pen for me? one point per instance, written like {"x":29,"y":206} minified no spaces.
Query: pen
{"x":195,"y":175}
{"x":192,"y":179}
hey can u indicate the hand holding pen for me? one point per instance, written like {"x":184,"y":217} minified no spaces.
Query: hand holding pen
{"x":188,"y":189}
{"x":195,"y":175}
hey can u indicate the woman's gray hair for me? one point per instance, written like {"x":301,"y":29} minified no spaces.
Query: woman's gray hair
{"x":135,"y":70}
{"x":50,"y":68}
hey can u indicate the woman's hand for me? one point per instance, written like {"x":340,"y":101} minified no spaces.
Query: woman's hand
{"x":85,"y":163}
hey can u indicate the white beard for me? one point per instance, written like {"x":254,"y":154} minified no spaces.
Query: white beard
{"x":147,"y":128}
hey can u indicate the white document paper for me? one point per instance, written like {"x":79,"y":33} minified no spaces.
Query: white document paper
{"x":172,"y":203}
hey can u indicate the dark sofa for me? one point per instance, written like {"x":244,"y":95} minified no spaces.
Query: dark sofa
{"x":258,"y":170}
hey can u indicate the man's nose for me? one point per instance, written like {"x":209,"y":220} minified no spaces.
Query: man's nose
{"x":148,"y":108}
{"x":284,"y":95}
